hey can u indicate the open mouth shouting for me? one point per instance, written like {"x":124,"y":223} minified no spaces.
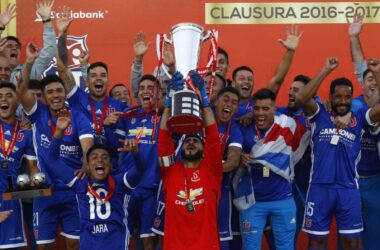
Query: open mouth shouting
{"x":4,"y":107}
{"x":99,"y":169}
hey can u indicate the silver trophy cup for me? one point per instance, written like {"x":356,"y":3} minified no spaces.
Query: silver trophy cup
{"x":186,"y":114}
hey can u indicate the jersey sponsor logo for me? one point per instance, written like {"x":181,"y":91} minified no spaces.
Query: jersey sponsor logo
{"x":136,"y":131}
{"x":194,"y":193}
{"x":195,"y":176}
{"x":45,"y":142}
{"x":341,"y":132}
{"x":99,"y":228}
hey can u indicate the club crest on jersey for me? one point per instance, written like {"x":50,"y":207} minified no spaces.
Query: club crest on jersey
{"x":245,"y":226}
{"x":110,"y":110}
{"x":20,"y":136}
{"x":68,"y":130}
{"x":155,"y":119}
{"x":195,"y":177}
{"x":353,"y":122}
{"x":133,"y":120}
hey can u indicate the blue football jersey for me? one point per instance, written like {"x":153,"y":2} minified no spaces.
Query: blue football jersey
{"x":336,"y":152}
{"x":243,"y":109}
{"x":22,"y":148}
{"x":103,"y":223}
{"x":80,"y":100}
{"x":70,"y":149}
{"x":143,"y":125}
{"x":369,"y":163}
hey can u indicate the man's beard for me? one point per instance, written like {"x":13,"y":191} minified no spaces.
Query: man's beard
{"x":194,"y":157}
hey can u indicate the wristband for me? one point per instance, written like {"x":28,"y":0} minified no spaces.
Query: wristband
{"x":2,"y":28}
{"x":46,"y":20}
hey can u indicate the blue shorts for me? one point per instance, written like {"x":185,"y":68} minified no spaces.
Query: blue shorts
{"x":49,"y":212}
{"x":225,"y":211}
{"x":323,"y":202}
{"x":370,"y":192}
{"x":142,"y":210}
{"x":282,"y":217}
{"x":12,"y":230}
{"x":159,"y":220}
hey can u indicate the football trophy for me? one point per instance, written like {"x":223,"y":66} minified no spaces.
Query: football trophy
{"x":25,"y":189}
{"x":186,"y":39}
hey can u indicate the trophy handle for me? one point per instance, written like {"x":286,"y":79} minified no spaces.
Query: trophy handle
{"x":166,"y":39}
{"x":207,"y":36}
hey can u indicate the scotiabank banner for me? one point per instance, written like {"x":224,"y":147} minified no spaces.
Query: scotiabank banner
{"x":248,"y":31}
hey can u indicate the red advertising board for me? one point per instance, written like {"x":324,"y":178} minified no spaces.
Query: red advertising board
{"x":247,"y":30}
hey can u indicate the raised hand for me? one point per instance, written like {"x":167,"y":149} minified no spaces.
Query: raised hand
{"x":373,"y":65}
{"x":44,"y":8}
{"x":63,"y":120}
{"x":112,"y":118}
{"x":292,"y":38}
{"x":7,"y":15}
{"x":64,"y":21}
{"x":355,"y":28}
{"x":331,"y":63}
{"x":201,"y":86}
{"x":84,"y":58}
{"x":167,"y":56}
{"x":140,"y":46}
{"x":130,"y":145}
{"x":32,"y":52}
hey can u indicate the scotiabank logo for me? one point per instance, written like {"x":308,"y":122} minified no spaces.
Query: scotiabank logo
{"x":98,"y":14}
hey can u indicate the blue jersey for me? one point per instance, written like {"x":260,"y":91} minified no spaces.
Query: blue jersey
{"x":70,"y":149}
{"x":143,"y":125}
{"x":102,"y":224}
{"x":273,"y":187}
{"x":243,"y":109}
{"x":335,"y":153}
{"x":22,"y":148}
{"x":303,"y":167}
{"x":79,"y":99}
{"x":234,"y":139}
{"x":369,"y":163}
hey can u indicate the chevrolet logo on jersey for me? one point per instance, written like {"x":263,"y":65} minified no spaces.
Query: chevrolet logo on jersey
{"x":193,"y":193}
{"x":136,"y":131}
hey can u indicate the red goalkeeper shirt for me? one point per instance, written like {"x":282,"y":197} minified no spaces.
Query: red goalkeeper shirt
{"x":196,"y":229}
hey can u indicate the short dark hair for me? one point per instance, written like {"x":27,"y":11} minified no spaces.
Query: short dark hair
{"x":263,"y":94}
{"x":224,"y":81}
{"x":365,"y":73}
{"x":302,"y":78}
{"x":230,"y":90}
{"x":13,"y":38}
{"x":234,"y":73}
{"x":341,"y":82}
{"x":97,"y":64}
{"x":8,"y":85}
{"x":98,"y":146}
{"x":50,"y":79}
{"x":223,"y":52}
{"x":114,"y":86}
{"x":150,"y":78}
{"x":34,"y":84}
